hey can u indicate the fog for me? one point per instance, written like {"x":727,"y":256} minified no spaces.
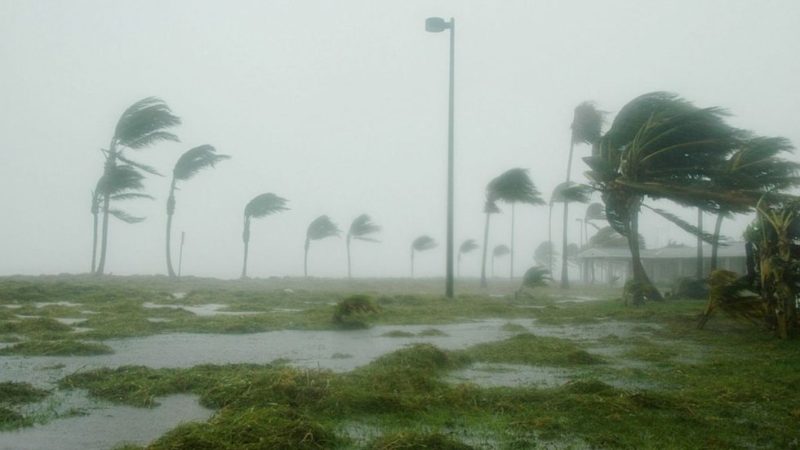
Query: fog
{"x":341,"y":107}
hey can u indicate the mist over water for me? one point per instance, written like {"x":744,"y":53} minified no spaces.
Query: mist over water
{"x":341,"y":108}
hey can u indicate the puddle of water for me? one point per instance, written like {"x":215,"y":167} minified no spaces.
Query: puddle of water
{"x":579,"y":299}
{"x":211,"y":309}
{"x":510,"y":375}
{"x":13,"y":306}
{"x":43,"y":304}
{"x":178,"y":295}
{"x":70,"y":321}
{"x":288,"y":310}
{"x":25,"y":316}
{"x":108,"y":426}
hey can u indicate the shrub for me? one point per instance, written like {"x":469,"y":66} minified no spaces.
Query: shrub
{"x":351,"y":312}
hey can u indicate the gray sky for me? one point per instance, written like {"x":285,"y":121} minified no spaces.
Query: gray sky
{"x":341,"y":107}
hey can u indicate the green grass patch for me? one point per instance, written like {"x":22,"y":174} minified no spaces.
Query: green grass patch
{"x":410,"y":440}
{"x":14,"y":393}
{"x":530,"y":349}
{"x":398,"y":334}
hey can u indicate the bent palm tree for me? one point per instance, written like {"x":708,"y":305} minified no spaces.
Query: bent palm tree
{"x":420,"y":244}
{"x":260,"y":206}
{"x":319,"y":228}
{"x":361,"y":228}
{"x":489,"y":208}
{"x":544,"y":253}
{"x":514,"y":186}
{"x":466,"y":247}
{"x":144,"y":123}
{"x":187,"y":166}
{"x":499,"y":251}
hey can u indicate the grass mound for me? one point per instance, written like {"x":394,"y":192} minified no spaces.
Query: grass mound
{"x":13,"y":393}
{"x":67,"y":347}
{"x":527,"y":348}
{"x":277,"y":428}
{"x":417,"y":441}
{"x":353,"y":311}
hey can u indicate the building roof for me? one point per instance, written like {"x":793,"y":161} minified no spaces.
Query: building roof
{"x":730,"y":250}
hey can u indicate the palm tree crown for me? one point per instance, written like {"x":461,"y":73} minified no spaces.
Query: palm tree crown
{"x":260,"y":206}
{"x":361,"y":228}
{"x":320,"y":228}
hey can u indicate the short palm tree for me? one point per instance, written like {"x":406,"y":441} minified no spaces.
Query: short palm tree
{"x":320,"y":228}
{"x":498,"y":252}
{"x":361,"y":229}
{"x":489,"y":208}
{"x":143,"y":124}
{"x":187,"y":166}
{"x":260,"y":206}
{"x":466,"y":247}
{"x":514,"y":186}
{"x":566,"y":192}
{"x":420,"y":244}
{"x":122,"y":182}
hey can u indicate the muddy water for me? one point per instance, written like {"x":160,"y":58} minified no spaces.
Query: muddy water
{"x":106,"y":426}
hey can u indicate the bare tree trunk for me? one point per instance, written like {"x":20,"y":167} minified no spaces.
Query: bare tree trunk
{"x":715,"y":242}
{"x":170,"y":212}
{"x":485,"y":247}
{"x":95,"y":213}
{"x":246,"y":240}
{"x":512,"y":242}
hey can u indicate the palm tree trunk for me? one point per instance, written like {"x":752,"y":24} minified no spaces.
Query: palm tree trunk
{"x":180,"y":254}
{"x":485,"y":246}
{"x":111,"y":162}
{"x":564,"y":272}
{"x":305,"y":258}
{"x":349,"y":273}
{"x":246,"y":240}
{"x":412,"y":263}
{"x":170,"y":212}
{"x":643,"y":287}
{"x":715,"y":241}
{"x":699,"y":269}
{"x":492,"y":265}
{"x":512,"y":242}
{"x":458,"y":265}
{"x":94,"y":240}
{"x":550,"y":238}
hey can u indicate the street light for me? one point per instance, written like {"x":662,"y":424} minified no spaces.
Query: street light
{"x":437,"y":25}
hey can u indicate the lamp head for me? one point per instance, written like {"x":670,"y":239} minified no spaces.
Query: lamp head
{"x":436,"y":24}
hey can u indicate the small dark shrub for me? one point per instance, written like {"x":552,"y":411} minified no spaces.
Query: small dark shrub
{"x":351,"y":312}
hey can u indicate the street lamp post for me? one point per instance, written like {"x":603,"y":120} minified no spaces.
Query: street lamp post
{"x":437,"y":25}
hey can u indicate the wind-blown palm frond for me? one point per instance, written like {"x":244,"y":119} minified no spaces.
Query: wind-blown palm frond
{"x":144,"y":122}
{"x":595,"y":211}
{"x":363,"y":226}
{"x":131,"y":196}
{"x":195,"y":160}
{"x":120,"y":179}
{"x":514,"y":186}
{"x":537,"y":276}
{"x":501,"y":250}
{"x":682,"y":224}
{"x":587,"y":123}
{"x":125,"y":217}
{"x":490,"y":207}
{"x":423,"y":243}
{"x":143,"y":167}
{"x":264,"y":205}
{"x":321,"y":228}
{"x":606,"y":237}
{"x":468,"y":246}
{"x":571,"y":192}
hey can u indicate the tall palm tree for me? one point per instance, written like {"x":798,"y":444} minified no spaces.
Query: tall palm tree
{"x":660,"y":146}
{"x":756,"y":165}
{"x":320,"y":228}
{"x":361,"y":229}
{"x":514,"y":186}
{"x":466,"y":247}
{"x":586,"y":128}
{"x":141,"y":125}
{"x":489,"y":208}
{"x":421,"y":244}
{"x":122,"y":182}
{"x":260,"y":206}
{"x":187,"y":166}
{"x":499,"y":251}
{"x":566,"y":192}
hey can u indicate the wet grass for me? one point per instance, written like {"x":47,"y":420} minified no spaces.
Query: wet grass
{"x":13,"y":395}
{"x":64,"y":347}
{"x":658,"y":383}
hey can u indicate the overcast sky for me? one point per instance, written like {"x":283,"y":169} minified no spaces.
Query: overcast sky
{"x":341,"y":107}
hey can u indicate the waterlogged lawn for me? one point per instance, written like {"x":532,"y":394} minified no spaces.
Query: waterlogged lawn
{"x":571,"y":373}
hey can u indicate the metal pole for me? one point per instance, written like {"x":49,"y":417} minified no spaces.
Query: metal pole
{"x":449,"y":281}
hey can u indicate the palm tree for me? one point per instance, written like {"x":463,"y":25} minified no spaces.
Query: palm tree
{"x":260,"y":206}
{"x":466,"y":247}
{"x":361,"y":228}
{"x":319,"y":228}
{"x":514,"y":186}
{"x":499,"y":251}
{"x":543,"y":255}
{"x":489,"y":208}
{"x":566,"y":192}
{"x":420,"y":244}
{"x":122,"y":182}
{"x":660,"y":146}
{"x":187,"y":166}
{"x":144,"y":123}
{"x":755,"y":165}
